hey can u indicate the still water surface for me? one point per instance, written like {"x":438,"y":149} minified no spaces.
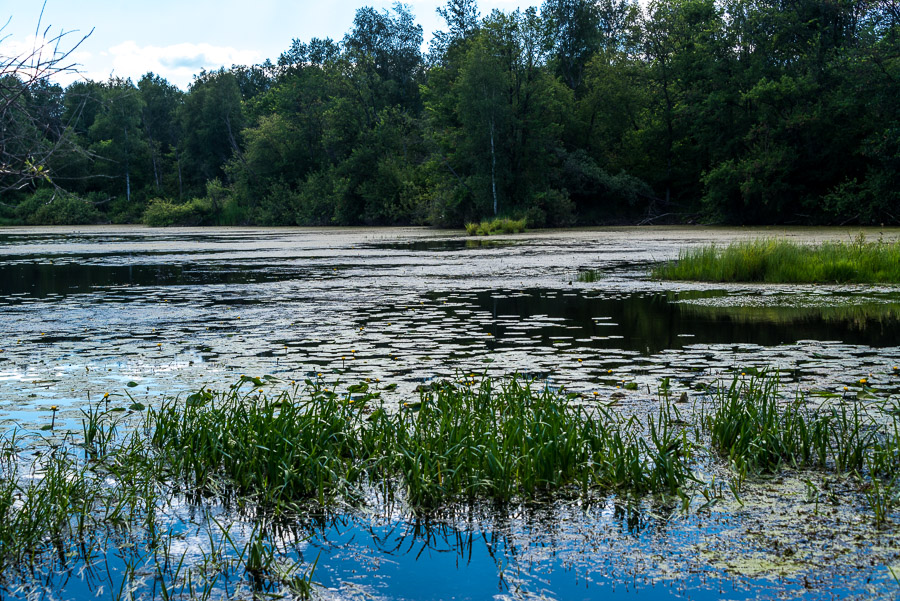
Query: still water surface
{"x":86,"y":311}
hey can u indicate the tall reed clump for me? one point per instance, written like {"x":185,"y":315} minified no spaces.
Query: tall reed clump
{"x":467,"y":442}
{"x":457,"y":442}
{"x":64,"y":505}
{"x":590,"y":275}
{"x":276,"y":451}
{"x":35,"y":510}
{"x":749,"y":426}
{"x":782,"y":261}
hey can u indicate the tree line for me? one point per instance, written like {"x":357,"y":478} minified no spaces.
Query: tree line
{"x":582,"y":112}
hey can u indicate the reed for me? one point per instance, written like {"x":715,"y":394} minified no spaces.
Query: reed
{"x":271,"y":459}
{"x":749,"y":427}
{"x":508,"y":441}
{"x":783,"y":261}
{"x":590,"y":275}
{"x":277,"y":451}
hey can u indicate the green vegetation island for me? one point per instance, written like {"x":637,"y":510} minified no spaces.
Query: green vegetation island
{"x":577,"y":113}
{"x":782,"y":261}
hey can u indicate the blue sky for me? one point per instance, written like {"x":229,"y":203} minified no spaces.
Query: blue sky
{"x":177,"y":38}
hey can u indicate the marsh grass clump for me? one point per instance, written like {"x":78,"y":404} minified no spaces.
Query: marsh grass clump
{"x":457,"y":442}
{"x":261,"y":472}
{"x":496,"y":226}
{"x":590,"y":275}
{"x":782,"y":261}
{"x":272,"y":460}
{"x":755,"y":430}
{"x":466,"y":442}
{"x":69,"y":510}
{"x":276,"y":450}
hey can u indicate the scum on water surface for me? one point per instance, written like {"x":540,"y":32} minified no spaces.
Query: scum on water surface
{"x":143,"y":314}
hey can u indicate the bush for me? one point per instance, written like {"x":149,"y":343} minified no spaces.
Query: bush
{"x":55,"y":207}
{"x":552,"y":208}
{"x":165,"y":213}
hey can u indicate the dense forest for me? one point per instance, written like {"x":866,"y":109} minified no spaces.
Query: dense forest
{"x":582,"y":112}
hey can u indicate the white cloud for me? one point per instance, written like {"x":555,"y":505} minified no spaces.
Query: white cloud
{"x":178,"y":63}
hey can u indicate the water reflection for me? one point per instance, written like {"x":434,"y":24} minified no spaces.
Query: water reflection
{"x":42,"y":280}
{"x":650,"y":323}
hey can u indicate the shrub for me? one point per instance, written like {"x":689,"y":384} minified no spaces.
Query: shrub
{"x":165,"y":213}
{"x":55,"y":207}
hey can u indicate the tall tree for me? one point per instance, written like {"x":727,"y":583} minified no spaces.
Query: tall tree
{"x":160,"y":109}
{"x":117,"y":138}
{"x":211,"y":119}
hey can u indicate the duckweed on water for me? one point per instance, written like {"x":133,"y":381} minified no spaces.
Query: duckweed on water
{"x":782,"y":261}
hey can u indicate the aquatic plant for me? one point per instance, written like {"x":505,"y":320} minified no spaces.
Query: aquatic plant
{"x":590,"y":275}
{"x":751,"y":427}
{"x":775,"y":260}
{"x":278,"y":462}
{"x":455,"y":442}
{"x":513,"y":440}
{"x":496,"y":226}
{"x":275,"y":450}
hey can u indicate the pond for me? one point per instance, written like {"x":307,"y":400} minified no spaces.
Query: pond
{"x":139,"y":314}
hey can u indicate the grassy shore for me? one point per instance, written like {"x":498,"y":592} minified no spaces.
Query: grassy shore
{"x":782,"y":261}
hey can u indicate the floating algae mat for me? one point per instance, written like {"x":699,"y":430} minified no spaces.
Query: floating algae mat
{"x":142,"y":315}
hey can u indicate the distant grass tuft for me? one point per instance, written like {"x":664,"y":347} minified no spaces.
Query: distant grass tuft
{"x":781,"y":261}
{"x":497,"y":226}
{"x":590,"y":275}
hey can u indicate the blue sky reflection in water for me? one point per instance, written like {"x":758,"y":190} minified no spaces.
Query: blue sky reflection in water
{"x":90,"y":310}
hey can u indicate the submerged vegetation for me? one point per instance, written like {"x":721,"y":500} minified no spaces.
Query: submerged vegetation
{"x":783,"y":261}
{"x":295,"y":457}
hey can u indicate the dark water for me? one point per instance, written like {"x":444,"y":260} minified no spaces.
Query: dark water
{"x":41,"y":280}
{"x":650,"y":323}
{"x":641,"y":321}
